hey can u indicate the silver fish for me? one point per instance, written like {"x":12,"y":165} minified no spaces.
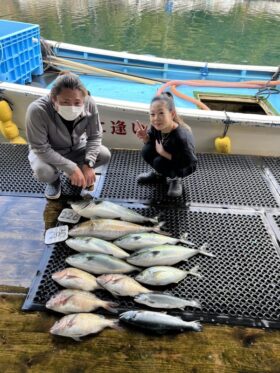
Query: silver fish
{"x":100,"y":263}
{"x":72,"y":301}
{"x":109,"y":210}
{"x":73,"y":278}
{"x":95,"y":245}
{"x":164,"y":255}
{"x":165,"y":275}
{"x":81,"y":324}
{"x":135,"y":241}
{"x":158,"y":322}
{"x":121,"y":285}
{"x":109,"y":229}
{"x":167,"y":301}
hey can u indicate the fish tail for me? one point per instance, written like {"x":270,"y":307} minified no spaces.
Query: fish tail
{"x":183,"y":239}
{"x":203,"y":251}
{"x":111,"y":307}
{"x":196,"y":326}
{"x":194,"y":271}
{"x":154,"y":220}
{"x":115,"y":324}
{"x":158,"y":227}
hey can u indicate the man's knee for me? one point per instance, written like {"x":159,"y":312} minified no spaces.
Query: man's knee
{"x":104,"y":156}
{"x":45,"y":173}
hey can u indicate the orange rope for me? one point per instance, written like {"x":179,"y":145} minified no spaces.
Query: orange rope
{"x":212,"y":83}
{"x":200,"y":104}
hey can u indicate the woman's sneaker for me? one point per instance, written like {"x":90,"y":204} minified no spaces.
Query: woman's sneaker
{"x":175,"y":187}
{"x":150,"y":177}
{"x":53,"y":190}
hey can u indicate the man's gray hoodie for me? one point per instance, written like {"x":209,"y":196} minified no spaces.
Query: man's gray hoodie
{"x":50,"y":139}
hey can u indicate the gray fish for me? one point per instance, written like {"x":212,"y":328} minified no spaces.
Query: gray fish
{"x":109,"y":229}
{"x":165,"y":255}
{"x":95,"y":245}
{"x":72,"y":301}
{"x":100,"y":263}
{"x":73,"y":278}
{"x":135,"y":241}
{"x":109,"y":210}
{"x":158,"y":322}
{"x":81,"y":324}
{"x":165,"y":275}
{"x":162,"y":300}
{"x":121,"y":285}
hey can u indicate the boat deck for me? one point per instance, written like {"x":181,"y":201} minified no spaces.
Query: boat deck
{"x":232,"y":202}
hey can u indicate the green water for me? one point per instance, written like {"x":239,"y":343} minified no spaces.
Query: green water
{"x":230,"y":31}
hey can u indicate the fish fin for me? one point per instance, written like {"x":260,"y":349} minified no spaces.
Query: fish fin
{"x":204,"y":252}
{"x":77,"y":339}
{"x":66,"y":300}
{"x":194,"y":271}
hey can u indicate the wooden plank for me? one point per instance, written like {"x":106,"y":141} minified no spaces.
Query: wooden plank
{"x":26,"y":345}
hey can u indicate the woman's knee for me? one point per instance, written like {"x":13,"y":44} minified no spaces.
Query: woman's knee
{"x":148,"y":153}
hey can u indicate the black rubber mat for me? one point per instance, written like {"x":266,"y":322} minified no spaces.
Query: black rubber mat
{"x":223,"y":180}
{"x":17,"y":177}
{"x":240,"y":285}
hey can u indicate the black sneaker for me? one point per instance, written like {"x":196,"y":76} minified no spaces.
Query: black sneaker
{"x":175,"y":188}
{"x":150,"y":177}
{"x":53,"y":190}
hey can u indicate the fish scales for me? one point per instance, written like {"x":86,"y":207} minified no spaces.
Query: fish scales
{"x":158,"y":322}
{"x":95,"y":245}
{"x":73,"y":301}
{"x":121,"y":285}
{"x":73,"y":278}
{"x":82,"y":324}
{"x":100,"y":263}
{"x":109,"y":210}
{"x":109,"y":229}
{"x":135,"y":241}
{"x":164,"y":255}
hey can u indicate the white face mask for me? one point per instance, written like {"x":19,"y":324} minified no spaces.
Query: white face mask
{"x":70,"y":112}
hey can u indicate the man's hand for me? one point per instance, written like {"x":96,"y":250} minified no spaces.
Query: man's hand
{"x":142,"y":131}
{"x":161,"y":151}
{"x":77,"y":178}
{"x":89,"y":175}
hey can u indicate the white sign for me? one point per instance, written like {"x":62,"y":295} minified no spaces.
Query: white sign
{"x":69,"y":216}
{"x":57,"y":234}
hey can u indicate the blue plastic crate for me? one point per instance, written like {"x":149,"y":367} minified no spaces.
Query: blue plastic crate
{"x":20,"y":52}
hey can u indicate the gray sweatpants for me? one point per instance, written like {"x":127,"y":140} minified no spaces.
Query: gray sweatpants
{"x":47,"y":173}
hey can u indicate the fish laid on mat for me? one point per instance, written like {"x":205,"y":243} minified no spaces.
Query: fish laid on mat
{"x":165,"y":275}
{"x":158,"y":322}
{"x":109,"y":229}
{"x":95,"y":245}
{"x":72,"y":301}
{"x":100,"y":263}
{"x":135,"y":241}
{"x":81,"y":324}
{"x":121,"y":285}
{"x":73,"y":278}
{"x":165,"y":255}
{"x":167,"y":301}
{"x":109,"y":210}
